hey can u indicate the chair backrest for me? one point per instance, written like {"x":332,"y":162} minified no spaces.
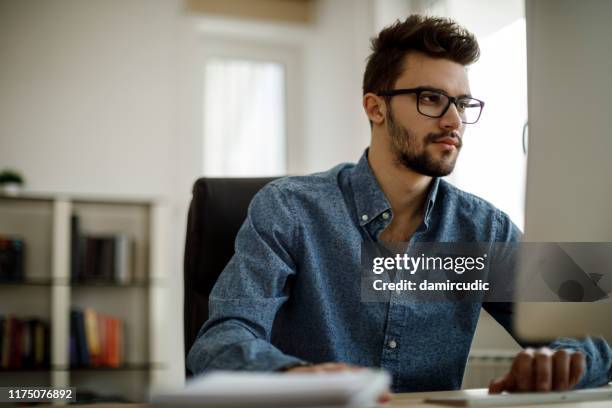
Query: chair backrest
{"x":218,"y":209}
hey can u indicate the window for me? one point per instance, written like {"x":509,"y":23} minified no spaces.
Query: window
{"x":244,"y":118}
{"x":492,"y":163}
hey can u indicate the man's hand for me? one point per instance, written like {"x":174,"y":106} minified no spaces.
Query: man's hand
{"x":335,"y":367}
{"x":542,"y":370}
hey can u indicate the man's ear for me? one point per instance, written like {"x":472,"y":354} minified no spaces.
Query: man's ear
{"x":375,"y":107}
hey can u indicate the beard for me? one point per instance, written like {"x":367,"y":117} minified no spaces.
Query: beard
{"x":408,"y":154}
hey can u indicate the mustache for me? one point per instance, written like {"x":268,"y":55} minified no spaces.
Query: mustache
{"x":435,"y":137}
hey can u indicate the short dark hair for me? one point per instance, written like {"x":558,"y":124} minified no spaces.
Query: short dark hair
{"x":436,"y":37}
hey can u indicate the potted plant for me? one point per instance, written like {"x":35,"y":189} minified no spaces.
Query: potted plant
{"x":11,"y":182}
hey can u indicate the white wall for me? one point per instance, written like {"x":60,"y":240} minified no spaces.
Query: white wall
{"x":336,"y":127}
{"x":88,"y":94}
{"x":386,"y":12}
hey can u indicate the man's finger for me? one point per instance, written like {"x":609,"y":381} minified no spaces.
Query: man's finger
{"x":496,"y":385}
{"x":522,"y":370}
{"x":505,"y":383}
{"x":325,"y":368}
{"x":333,"y":367}
{"x":561,"y":370}
{"x":543,"y":370}
{"x":577,"y":368}
{"x":386,"y":397}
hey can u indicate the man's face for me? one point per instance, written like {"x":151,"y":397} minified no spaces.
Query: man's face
{"x":429,"y":146}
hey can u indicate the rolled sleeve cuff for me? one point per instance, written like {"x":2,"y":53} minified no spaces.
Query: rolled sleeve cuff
{"x":598,"y":359}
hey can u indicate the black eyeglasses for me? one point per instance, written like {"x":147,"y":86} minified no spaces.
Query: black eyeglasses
{"x":434,"y":103}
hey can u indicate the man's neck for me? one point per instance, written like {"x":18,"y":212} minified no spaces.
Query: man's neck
{"x":405,"y":189}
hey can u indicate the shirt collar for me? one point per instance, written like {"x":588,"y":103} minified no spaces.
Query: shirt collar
{"x":370,"y":201}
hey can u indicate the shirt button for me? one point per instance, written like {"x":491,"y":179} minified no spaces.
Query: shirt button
{"x":392,"y":344}
{"x":364,"y":217}
{"x":385,"y":215}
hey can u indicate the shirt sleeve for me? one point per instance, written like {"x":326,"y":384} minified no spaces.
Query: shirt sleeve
{"x":250,"y":291}
{"x":596,"y":350}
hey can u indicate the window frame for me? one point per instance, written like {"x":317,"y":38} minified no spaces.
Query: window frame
{"x":288,"y":55}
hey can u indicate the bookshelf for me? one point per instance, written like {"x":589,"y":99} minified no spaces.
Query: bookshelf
{"x":48,"y":291}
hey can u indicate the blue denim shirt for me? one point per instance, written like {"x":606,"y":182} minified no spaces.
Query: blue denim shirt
{"x":291,"y":292}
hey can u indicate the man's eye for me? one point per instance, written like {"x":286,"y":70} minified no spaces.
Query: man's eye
{"x":431,"y":99}
{"x":463,"y":105}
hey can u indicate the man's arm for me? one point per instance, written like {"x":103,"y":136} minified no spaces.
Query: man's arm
{"x":250,"y":291}
{"x":591,"y":356}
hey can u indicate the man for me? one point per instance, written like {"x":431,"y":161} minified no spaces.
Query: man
{"x":290,"y":297}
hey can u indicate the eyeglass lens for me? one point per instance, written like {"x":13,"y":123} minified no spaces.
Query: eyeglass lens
{"x":434,"y":104}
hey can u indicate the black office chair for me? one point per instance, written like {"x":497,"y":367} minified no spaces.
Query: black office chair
{"x":218,"y":209}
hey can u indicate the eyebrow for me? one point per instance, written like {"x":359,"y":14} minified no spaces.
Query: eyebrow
{"x":442,"y":91}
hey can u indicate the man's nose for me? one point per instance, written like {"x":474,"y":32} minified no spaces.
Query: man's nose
{"x":451,"y":120}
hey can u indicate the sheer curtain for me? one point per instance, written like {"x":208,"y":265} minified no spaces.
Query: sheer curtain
{"x":492,"y":163}
{"x":244,"y":118}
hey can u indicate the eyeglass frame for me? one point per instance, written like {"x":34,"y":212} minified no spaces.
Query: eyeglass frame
{"x":419,"y":90}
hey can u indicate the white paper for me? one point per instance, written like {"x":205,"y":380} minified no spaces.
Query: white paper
{"x":247,"y":389}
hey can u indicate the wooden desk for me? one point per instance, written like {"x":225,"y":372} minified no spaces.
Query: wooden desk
{"x":406,"y":400}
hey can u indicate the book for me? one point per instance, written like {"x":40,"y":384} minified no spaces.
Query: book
{"x":115,"y":340}
{"x":6,"y":343}
{"x":12,"y":258}
{"x":13,"y":348}
{"x":107,"y":258}
{"x":122,"y":259}
{"x":74,"y":357}
{"x":2,"y":320}
{"x":19,"y":339}
{"x":16,"y":344}
{"x":97,"y":339}
{"x":93,"y":339}
{"x":100,"y":258}
{"x":103,"y":335}
{"x":77,"y":324}
{"x":26,"y":341}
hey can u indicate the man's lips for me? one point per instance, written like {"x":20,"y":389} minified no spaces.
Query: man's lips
{"x":451,"y":141}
